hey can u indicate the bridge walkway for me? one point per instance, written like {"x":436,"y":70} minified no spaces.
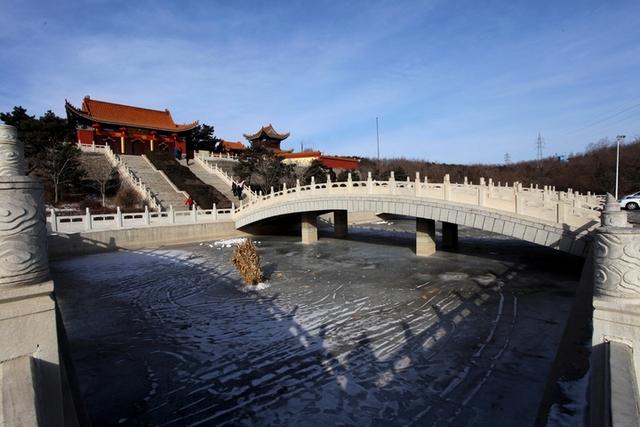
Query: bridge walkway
{"x":152,"y":178}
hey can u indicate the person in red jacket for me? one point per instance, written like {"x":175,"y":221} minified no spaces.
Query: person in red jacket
{"x":189,"y":202}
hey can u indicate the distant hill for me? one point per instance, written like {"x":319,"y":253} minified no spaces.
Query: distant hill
{"x":593,"y":170}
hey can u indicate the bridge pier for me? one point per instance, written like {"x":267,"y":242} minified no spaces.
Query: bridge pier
{"x":309,"y":227}
{"x":425,"y":237}
{"x":340,"y":224}
{"x":449,"y":236}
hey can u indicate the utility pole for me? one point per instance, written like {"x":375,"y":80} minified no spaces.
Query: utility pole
{"x":619,"y":138}
{"x":539,"y":146}
{"x":378,"y":141}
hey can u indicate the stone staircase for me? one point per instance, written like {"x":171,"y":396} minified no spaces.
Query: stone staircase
{"x":213,"y":180}
{"x":154,"y":180}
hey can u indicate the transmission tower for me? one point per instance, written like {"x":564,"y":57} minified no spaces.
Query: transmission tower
{"x":539,"y":147}
{"x":507,"y":158}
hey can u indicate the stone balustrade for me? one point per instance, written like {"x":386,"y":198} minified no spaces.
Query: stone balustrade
{"x":205,"y":155}
{"x":565,"y":209}
{"x":568,"y":211}
{"x":228,"y":180}
{"x":92,"y":148}
{"x":57,"y":223}
{"x":129,"y":176}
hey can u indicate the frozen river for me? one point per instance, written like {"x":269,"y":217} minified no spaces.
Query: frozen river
{"x":346,"y":332}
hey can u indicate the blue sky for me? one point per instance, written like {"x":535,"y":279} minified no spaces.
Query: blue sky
{"x":451,"y":81}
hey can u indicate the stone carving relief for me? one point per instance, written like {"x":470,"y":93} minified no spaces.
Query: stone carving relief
{"x":617,"y":263}
{"x":23,"y":234}
{"x":11,"y":153}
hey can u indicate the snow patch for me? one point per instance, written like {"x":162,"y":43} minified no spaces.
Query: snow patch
{"x":451,"y":276}
{"x":259,"y":287}
{"x":227,"y":243}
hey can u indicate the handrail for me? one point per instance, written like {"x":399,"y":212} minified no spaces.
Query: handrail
{"x":220,"y":173}
{"x":131,"y":177}
{"x":543,"y":205}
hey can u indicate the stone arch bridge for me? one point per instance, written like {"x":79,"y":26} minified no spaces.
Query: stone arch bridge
{"x":560,"y":220}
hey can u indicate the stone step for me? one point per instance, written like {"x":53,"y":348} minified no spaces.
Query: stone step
{"x":155,"y":182}
{"x":213,"y":180}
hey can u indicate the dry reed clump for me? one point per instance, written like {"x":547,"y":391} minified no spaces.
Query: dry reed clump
{"x":246,"y":259}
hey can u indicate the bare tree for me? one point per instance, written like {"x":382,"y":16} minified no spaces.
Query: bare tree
{"x":101,"y":175}
{"x":58,"y":162}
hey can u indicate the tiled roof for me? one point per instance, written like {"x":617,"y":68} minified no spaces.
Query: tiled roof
{"x":233,"y":145}
{"x":126,"y":115}
{"x":301,"y":155}
{"x":269,"y":131}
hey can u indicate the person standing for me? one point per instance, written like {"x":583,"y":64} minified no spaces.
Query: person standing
{"x":240,"y":189}
{"x":189,"y":202}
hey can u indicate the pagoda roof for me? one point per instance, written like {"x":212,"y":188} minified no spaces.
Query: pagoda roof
{"x":127,"y":115}
{"x":268,"y":131}
{"x":233,"y":145}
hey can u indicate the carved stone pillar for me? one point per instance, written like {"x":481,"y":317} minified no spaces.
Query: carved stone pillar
{"x":27,"y":310}
{"x":617,"y":257}
{"x":616,"y":277}
{"x":11,"y":152}
{"x":23,"y":234}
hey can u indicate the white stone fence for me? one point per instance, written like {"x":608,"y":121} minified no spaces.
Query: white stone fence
{"x":228,"y":180}
{"x":205,"y":155}
{"x":567,"y":209}
{"x":78,"y":223}
{"x":125,"y":173}
{"x":543,"y":205}
{"x":91,"y":148}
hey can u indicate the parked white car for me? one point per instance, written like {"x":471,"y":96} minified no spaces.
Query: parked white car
{"x":631,"y":202}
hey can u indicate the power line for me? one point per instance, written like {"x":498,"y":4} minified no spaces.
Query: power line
{"x":607,"y":118}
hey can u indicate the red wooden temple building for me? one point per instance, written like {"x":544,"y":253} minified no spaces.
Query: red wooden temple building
{"x":267,"y":137}
{"x":232,"y":147}
{"x":127,"y":129}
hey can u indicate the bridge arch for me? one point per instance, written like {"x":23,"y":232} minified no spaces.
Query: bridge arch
{"x":557,"y":236}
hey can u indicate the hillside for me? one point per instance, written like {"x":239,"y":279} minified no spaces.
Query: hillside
{"x":593,"y":170}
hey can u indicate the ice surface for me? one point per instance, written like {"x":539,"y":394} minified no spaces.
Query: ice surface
{"x":172,"y":336}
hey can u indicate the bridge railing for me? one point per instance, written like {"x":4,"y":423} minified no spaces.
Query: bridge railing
{"x":125,"y":172}
{"x":206,"y":155}
{"x":110,"y":221}
{"x":91,"y":148}
{"x":225,"y":177}
{"x":545,"y":205}
{"x":128,"y":175}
